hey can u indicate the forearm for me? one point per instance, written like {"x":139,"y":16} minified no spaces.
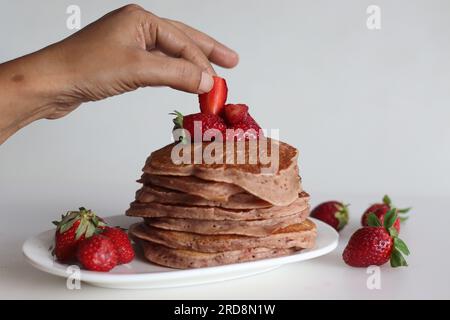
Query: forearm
{"x":29,"y":87}
{"x":127,"y":49}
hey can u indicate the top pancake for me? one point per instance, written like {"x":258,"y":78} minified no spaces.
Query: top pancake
{"x":279,"y":185}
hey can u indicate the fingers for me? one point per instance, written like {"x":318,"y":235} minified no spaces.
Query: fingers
{"x":180,"y":74}
{"x":215,"y":51}
{"x":173,"y":42}
{"x":156,"y":52}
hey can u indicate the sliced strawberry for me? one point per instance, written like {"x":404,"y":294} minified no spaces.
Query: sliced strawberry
{"x":213,"y":101}
{"x":245,"y":130}
{"x":235,"y":113}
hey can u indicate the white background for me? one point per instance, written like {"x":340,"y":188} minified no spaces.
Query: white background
{"x":369,"y":111}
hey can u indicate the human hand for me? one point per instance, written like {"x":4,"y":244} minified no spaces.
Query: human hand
{"x":131,"y":48}
{"x":126,"y":49}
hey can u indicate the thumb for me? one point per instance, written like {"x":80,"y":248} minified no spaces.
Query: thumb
{"x":176,"y":73}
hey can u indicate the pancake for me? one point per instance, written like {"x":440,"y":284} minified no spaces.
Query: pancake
{"x":255,"y":228}
{"x":183,"y":259}
{"x":300,"y":235}
{"x":278,"y":187}
{"x":148,"y":194}
{"x":154,"y":210}
{"x":210,"y":190}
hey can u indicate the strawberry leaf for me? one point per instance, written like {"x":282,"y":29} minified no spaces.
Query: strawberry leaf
{"x":66,"y":226}
{"x":71,"y":215}
{"x":393,"y":232}
{"x":387,"y":200}
{"x":341,"y":215}
{"x":81,"y":229}
{"x":90,"y":230}
{"x":397,"y":259}
{"x":373,"y":221}
{"x":401,"y":246}
{"x":403,"y":219}
{"x":178,"y":120}
{"x":404,"y":210}
{"x":389,"y":218}
{"x":178,"y":124}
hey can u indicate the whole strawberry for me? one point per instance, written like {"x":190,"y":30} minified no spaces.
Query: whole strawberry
{"x":97,"y":253}
{"x":119,"y":238}
{"x":199,"y":123}
{"x":380,"y":209}
{"x":376,"y":244}
{"x":334,"y":213}
{"x":380,"y":214}
{"x":73,"y":228}
{"x":246,"y":129}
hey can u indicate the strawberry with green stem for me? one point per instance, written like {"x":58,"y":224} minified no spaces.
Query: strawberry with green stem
{"x":74,"y":227}
{"x":387,"y":204}
{"x":200,"y":122}
{"x":334,"y":213}
{"x":380,"y":209}
{"x":376,"y":244}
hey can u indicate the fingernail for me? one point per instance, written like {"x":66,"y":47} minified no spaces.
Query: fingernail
{"x":206,"y":83}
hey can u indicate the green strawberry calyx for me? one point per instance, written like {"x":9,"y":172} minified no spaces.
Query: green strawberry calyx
{"x":178,"y":120}
{"x":341,"y":215}
{"x":89,"y":225}
{"x":178,"y":124}
{"x":387,"y":201}
{"x":400,"y":248}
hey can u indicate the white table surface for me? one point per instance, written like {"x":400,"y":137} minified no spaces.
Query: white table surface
{"x":426,"y":232}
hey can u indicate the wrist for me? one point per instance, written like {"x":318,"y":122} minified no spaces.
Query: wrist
{"x":30,"y":86}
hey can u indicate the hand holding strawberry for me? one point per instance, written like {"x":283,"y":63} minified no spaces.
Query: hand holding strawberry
{"x":376,"y":244}
{"x":216,"y":115}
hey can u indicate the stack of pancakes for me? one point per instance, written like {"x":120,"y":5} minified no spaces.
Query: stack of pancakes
{"x":200,"y":215}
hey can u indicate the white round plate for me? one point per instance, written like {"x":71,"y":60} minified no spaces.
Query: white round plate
{"x":141,"y":274}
